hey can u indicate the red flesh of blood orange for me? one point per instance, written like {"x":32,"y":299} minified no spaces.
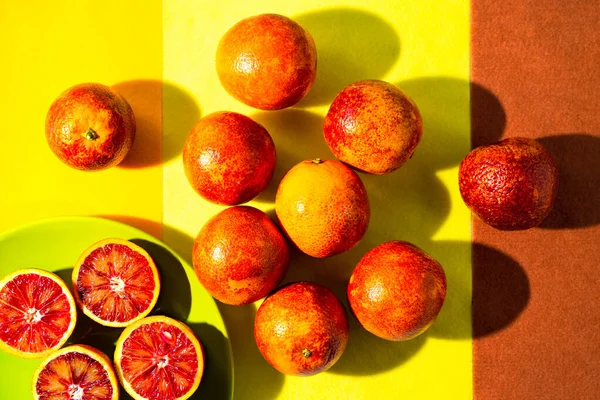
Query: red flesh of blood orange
{"x":159,"y":358}
{"x":37,"y":313}
{"x":76,"y":373}
{"x":116,"y":282}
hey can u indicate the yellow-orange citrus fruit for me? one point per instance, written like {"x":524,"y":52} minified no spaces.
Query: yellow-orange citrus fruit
{"x":322,"y":207}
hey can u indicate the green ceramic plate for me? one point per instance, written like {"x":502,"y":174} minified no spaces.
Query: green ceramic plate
{"x":55,"y":244}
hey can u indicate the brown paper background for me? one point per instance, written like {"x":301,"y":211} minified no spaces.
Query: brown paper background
{"x":536,"y":293}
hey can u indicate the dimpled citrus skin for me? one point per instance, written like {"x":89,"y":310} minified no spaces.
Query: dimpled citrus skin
{"x":90,"y":106}
{"x":240,"y":256}
{"x":301,"y":329}
{"x":229,"y":158}
{"x":323,"y":207}
{"x":396,"y":291}
{"x":510,"y":185}
{"x":267,"y":61}
{"x":373,"y":126}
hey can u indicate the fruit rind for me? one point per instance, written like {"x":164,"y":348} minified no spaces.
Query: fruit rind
{"x":373,"y":126}
{"x":253,"y":255}
{"x":509,"y":185}
{"x":264,"y":39}
{"x":96,"y":104}
{"x":229,"y":158}
{"x":416,"y":307}
{"x":290,"y":310}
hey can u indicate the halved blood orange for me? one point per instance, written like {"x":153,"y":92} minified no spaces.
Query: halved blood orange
{"x":37,"y":313}
{"x":159,"y":358}
{"x":115,"y":282}
{"x":75,"y":372}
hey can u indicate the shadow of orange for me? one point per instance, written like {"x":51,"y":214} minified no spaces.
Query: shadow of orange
{"x":145,"y":98}
{"x":152,"y":145}
{"x":154,"y":228}
{"x":340,"y":34}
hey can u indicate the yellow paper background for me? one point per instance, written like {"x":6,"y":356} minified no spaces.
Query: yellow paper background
{"x":49,"y":47}
{"x":424,"y":48}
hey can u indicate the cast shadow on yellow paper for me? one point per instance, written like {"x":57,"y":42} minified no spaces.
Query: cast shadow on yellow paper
{"x":340,"y":34}
{"x":146,"y":97}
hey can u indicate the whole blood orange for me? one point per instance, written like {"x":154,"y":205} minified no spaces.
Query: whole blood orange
{"x":115,"y":282}
{"x":90,"y":127}
{"x":396,"y":291}
{"x":240,"y":256}
{"x":373,"y":126}
{"x":37,"y":313}
{"x":159,"y":358}
{"x":76,"y":372}
{"x":301,"y":329}
{"x":228,"y":158}
{"x":323,"y":207}
{"x":267,"y":61}
{"x":510,"y":185}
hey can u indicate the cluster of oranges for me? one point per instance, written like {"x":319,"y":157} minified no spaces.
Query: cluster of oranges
{"x":240,"y":255}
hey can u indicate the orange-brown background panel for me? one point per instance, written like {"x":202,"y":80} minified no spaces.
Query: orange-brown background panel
{"x":536,"y":293}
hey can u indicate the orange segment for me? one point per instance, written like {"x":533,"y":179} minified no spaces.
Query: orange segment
{"x":37,"y":313}
{"x":75,"y":372}
{"x":159,"y":358}
{"x":115,"y":282}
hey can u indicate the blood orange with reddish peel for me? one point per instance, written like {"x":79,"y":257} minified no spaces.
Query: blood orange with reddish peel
{"x":240,"y":256}
{"x":301,"y":329}
{"x":229,"y":158}
{"x":75,"y":372}
{"x":396,"y":291}
{"x":267,"y":61}
{"x":159,"y":358}
{"x":115,"y":282}
{"x":323,"y":207}
{"x":509,"y":185}
{"x":90,"y":127}
{"x":373,"y":126}
{"x":37,"y":313}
